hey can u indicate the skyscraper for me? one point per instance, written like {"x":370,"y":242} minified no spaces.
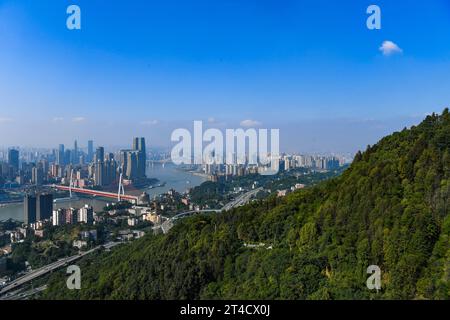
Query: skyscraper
{"x":110,"y":170}
{"x":139,"y":145}
{"x":100,"y":154}
{"x":13,"y":159}
{"x":99,"y":173}
{"x":75,"y":153}
{"x":60,"y":155}
{"x":132,"y":165}
{"x":67,"y":156}
{"x":90,"y":155}
{"x":135,"y":144}
{"x":37,"y":175}
{"x":44,"y":206}
{"x":29,"y":209}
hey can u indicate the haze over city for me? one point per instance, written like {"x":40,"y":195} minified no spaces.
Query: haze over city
{"x":147,"y":68}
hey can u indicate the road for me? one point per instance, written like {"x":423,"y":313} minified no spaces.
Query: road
{"x":49,"y":268}
{"x":165,"y":227}
{"x":239,"y":201}
{"x":20,"y":295}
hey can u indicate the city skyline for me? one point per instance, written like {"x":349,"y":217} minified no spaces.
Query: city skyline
{"x":317,"y":137}
{"x":233,"y":65}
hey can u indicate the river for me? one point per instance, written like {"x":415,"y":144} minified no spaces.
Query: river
{"x":173,"y":178}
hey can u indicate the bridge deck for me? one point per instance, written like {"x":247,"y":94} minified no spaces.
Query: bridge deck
{"x":98,"y":193}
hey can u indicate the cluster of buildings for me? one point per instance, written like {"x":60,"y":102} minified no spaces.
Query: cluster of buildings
{"x":64,"y":216}
{"x":286,"y":163}
{"x":85,"y":168}
{"x":312,"y":162}
{"x":38,"y":208}
{"x":135,"y":215}
{"x":105,"y":169}
{"x":84,"y":238}
{"x":10,"y":168}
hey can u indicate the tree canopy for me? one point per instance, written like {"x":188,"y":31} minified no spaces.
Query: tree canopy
{"x":390,"y":208}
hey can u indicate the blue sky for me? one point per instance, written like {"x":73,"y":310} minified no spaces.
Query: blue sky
{"x":310,"y":68}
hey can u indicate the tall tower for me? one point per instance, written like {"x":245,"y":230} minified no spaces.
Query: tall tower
{"x":29,"y":209}
{"x":13,"y":159}
{"x":99,"y":175}
{"x":132,"y":165}
{"x":44,"y":206}
{"x":135,"y":143}
{"x":90,"y":155}
{"x":100,"y":154}
{"x":60,"y":155}
{"x":75,"y":153}
{"x":139,"y":145}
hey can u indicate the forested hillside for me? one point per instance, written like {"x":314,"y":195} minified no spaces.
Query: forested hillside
{"x":390,"y":208}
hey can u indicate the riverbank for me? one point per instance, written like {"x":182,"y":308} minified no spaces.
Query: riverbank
{"x":169,"y":177}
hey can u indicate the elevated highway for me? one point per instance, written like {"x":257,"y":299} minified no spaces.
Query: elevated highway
{"x":239,"y":201}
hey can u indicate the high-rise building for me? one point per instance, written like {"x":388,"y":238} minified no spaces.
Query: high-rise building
{"x":67,"y":157}
{"x":75,"y":154}
{"x":44,"y":206}
{"x":45,"y":167}
{"x":133,"y":162}
{"x":59,"y":217}
{"x":86,"y":214}
{"x":139,"y":145}
{"x":332,"y":163}
{"x":29,"y":209}
{"x":100,"y":154}
{"x":60,"y":155}
{"x":123,"y":158}
{"x":135,"y":144}
{"x":90,"y":153}
{"x":131,"y":169}
{"x":71,"y":216}
{"x":54,"y":170}
{"x":99,"y":173}
{"x":110,"y":173}
{"x":13,"y":159}
{"x":37,"y":175}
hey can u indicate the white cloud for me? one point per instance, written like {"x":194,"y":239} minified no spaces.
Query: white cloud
{"x":389,"y":48}
{"x":250,"y":123}
{"x":5,"y":120}
{"x":211,"y":120}
{"x":78,"y":119}
{"x":57,"y":119}
{"x":150,"y":122}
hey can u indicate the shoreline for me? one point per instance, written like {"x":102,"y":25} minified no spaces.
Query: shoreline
{"x":199,"y":174}
{"x":194,"y":173}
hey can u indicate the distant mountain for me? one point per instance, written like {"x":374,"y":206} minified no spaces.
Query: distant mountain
{"x":390,"y":209}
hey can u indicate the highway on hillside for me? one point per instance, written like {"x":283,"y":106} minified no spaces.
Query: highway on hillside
{"x":166,"y":226}
{"x":49,"y":268}
{"x":239,"y":201}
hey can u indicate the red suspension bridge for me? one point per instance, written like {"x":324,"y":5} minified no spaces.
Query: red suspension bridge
{"x":120,"y":195}
{"x":97,"y":193}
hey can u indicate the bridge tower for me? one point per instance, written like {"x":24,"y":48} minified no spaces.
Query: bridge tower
{"x":71,"y":183}
{"x":121,"y":190}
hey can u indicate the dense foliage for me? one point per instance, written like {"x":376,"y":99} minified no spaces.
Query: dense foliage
{"x":217,"y":194}
{"x":390,"y":208}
